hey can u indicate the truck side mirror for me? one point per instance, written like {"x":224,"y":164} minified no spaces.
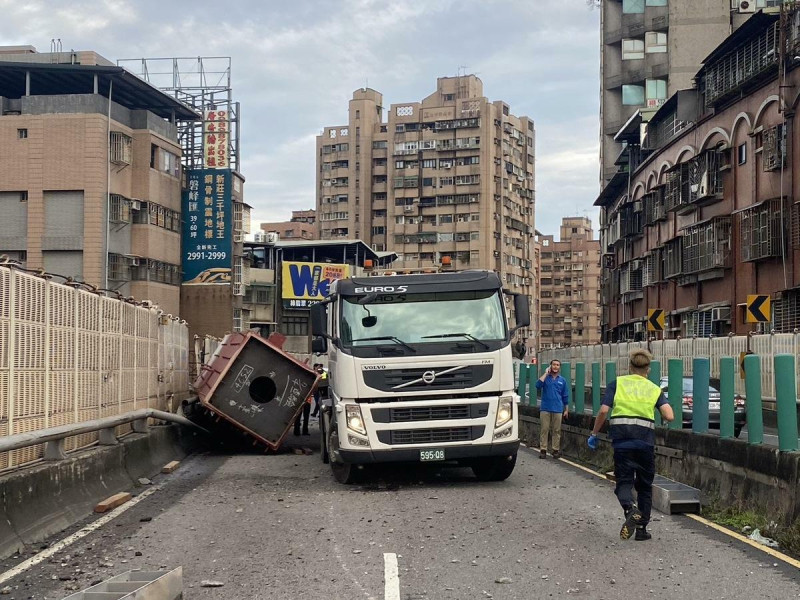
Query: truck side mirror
{"x":522,"y":311}
{"x":319,"y":345}
{"x":319,"y":320}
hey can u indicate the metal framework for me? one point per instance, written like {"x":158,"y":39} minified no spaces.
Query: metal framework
{"x":202,"y":82}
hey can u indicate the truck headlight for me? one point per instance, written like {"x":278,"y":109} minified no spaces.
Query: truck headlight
{"x":505,"y":410}
{"x":355,"y":421}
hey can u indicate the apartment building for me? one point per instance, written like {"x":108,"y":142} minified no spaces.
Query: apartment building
{"x":90,"y":176}
{"x":704,"y":211}
{"x":650,"y":49}
{"x":569,"y":285}
{"x":302,"y":226}
{"x":452,"y":175}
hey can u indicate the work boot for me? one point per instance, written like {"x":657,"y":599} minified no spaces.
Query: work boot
{"x":542,"y":453}
{"x":556,"y":454}
{"x":633,"y":516}
{"x":642,"y":535}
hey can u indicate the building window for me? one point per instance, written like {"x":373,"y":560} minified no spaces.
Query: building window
{"x":119,"y":210}
{"x":632,"y":49}
{"x":630,"y":7}
{"x":760,"y":230}
{"x":707,"y":246}
{"x":22,"y":134}
{"x":119,"y":268}
{"x":773,"y":142}
{"x":655,"y":42}
{"x":120,"y":148}
{"x":291,"y":325}
{"x":786,"y":311}
{"x":23,"y":196}
{"x":656,"y":2}
{"x":656,"y":90}
{"x":671,"y":258}
{"x":741,"y":153}
{"x":380,"y":145}
{"x":632,"y":95}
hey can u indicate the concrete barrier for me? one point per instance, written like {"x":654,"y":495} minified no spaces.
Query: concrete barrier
{"x":43,"y":499}
{"x":735,"y":472}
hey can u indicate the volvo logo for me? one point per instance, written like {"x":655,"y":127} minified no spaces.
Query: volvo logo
{"x":428,"y":377}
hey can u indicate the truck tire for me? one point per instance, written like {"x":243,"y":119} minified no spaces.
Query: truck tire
{"x":495,"y":468}
{"x":323,"y":438}
{"x":345,"y":473}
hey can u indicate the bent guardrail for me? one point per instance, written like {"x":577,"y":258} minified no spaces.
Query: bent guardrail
{"x":54,"y":437}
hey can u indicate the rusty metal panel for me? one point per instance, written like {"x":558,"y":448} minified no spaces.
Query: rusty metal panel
{"x":256,"y":386}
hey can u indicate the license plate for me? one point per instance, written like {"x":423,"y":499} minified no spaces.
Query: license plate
{"x":713,"y":405}
{"x":430,"y":455}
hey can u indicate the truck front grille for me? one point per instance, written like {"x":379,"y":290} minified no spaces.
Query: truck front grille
{"x":434,"y":412}
{"x":430,"y":436}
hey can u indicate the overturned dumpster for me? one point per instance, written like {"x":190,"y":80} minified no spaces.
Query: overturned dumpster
{"x":255,"y":386}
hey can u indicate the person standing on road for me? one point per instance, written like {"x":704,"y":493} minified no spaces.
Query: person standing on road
{"x":555,"y":404}
{"x":632,"y":400}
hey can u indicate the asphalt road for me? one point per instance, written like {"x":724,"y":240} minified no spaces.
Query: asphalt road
{"x":279,"y":527}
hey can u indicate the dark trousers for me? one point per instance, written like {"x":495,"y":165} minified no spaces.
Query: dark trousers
{"x":316,"y":403}
{"x":304,"y":416}
{"x":635,"y":469}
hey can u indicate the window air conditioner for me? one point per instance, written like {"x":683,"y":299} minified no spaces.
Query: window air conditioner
{"x":721,"y":314}
{"x":638,"y":327}
{"x":136,"y":205}
{"x":135,"y":261}
{"x":747,"y":6}
{"x":408,"y":208}
{"x":272,"y":237}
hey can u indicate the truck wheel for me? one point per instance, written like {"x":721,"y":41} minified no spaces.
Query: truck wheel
{"x":323,"y":438}
{"x":343,"y":472}
{"x":495,"y":468}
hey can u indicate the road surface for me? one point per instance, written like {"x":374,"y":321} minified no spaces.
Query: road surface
{"x":276,"y":527}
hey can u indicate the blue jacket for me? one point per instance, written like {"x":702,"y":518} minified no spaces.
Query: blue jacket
{"x":555,"y":393}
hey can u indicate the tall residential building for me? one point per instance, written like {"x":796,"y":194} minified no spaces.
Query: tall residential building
{"x":302,"y":226}
{"x":652,"y":48}
{"x":452,"y":175}
{"x":569,"y":285}
{"x":90,"y":173}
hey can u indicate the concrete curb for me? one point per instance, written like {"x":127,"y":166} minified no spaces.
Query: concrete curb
{"x":42,"y":500}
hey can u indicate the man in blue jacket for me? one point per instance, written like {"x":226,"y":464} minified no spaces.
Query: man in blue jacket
{"x":555,"y":403}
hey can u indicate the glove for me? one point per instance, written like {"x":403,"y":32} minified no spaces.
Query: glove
{"x":593,"y":442}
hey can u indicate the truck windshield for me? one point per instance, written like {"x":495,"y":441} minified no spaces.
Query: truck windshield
{"x":420,"y":318}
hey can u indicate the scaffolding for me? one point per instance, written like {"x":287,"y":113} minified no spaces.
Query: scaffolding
{"x":202,"y":82}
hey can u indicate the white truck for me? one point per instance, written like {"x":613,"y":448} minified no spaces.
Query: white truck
{"x":419,"y":370}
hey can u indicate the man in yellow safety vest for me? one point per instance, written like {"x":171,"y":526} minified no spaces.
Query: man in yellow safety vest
{"x":632,"y":401}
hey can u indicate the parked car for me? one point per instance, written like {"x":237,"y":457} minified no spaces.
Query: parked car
{"x":739,"y":416}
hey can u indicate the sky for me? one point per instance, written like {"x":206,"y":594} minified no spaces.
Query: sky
{"x":296,"y":64}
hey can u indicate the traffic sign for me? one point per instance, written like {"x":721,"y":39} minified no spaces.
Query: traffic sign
{"x":656,"y":319}
{"x":741,"y":363}
{"x":758,"y":309}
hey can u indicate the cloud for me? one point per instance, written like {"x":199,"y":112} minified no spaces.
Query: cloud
{"x":296,"y":64}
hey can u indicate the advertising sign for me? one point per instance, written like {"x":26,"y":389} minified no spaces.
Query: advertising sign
{"x":305,"y":284}
{"x":216,"y":139}
{"x":207,"y":215}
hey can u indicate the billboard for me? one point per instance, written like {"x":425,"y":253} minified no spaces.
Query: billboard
{"x":207,"y":244}
{"x":305,"y":283}
{"x":216,"y":139}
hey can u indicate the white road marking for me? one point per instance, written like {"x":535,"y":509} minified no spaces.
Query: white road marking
{"x":81,"y":533}
{"x":390,"y":577}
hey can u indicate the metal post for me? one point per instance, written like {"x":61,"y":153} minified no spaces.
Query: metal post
{"x":675,"y":391}
{"x":727,"y":366}
{"x":580,"y":388}
{"x":786,"y":400}
{"x":611,"y":372}
{"x":595,"y":388}
{"x":701,"y":373}
{"x":655,"y":377}
{"x":752,"y":384}
{"x":532,"y":376}
{"x":523,"y":372}
{"x":566,"y":373}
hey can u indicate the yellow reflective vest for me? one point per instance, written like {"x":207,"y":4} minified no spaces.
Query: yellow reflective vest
{"x":634,"y":406}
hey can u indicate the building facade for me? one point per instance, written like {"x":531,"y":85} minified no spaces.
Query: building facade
{"x":569,"y":286}
{"x":652,"y":48}
{"x":452,"y":175}
{"x":302,"y":226}
{"x":90,"y":176}
{"x":704,"y":211}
